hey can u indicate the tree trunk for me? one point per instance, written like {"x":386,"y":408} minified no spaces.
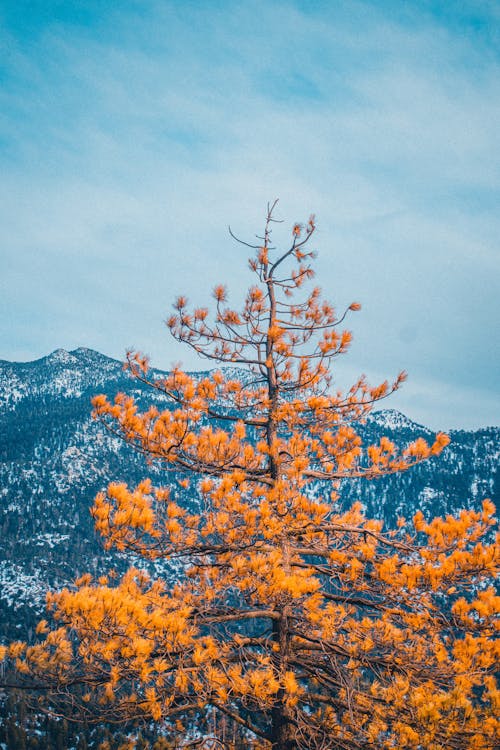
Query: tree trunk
{"x":281,"y":724}
{"x":281,"y":738}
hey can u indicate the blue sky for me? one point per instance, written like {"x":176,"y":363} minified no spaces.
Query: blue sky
{"x":132,"y":133}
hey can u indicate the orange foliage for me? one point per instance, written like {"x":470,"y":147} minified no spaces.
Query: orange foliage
{"x":308,"y":626}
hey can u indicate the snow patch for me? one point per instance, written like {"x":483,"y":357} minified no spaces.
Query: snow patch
{"x":392,"y":419}
{"x":61,"y":356}
{"x":19,"y":588}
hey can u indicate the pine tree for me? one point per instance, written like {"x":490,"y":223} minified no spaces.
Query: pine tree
{"x":305,"y":625}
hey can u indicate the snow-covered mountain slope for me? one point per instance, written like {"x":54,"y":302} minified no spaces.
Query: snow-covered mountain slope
{"x":54,"y":459}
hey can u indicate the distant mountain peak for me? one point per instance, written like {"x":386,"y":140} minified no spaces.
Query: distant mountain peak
{"x":392,"y":419}
{"x":83,"y":352}
{"x":60,"y":356}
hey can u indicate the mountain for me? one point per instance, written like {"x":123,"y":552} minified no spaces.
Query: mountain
{"x":54,"y":458}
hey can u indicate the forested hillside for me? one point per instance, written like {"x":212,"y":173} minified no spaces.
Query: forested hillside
{"x":54,"y":458}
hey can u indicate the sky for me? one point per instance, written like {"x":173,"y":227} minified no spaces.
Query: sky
{"x":132,"y":133}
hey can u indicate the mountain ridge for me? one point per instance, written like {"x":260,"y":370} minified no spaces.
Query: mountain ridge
{"x":390,"y":417}
{"x":54,"y":459}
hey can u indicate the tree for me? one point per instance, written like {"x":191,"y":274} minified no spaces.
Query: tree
{"x":305,"y":625}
